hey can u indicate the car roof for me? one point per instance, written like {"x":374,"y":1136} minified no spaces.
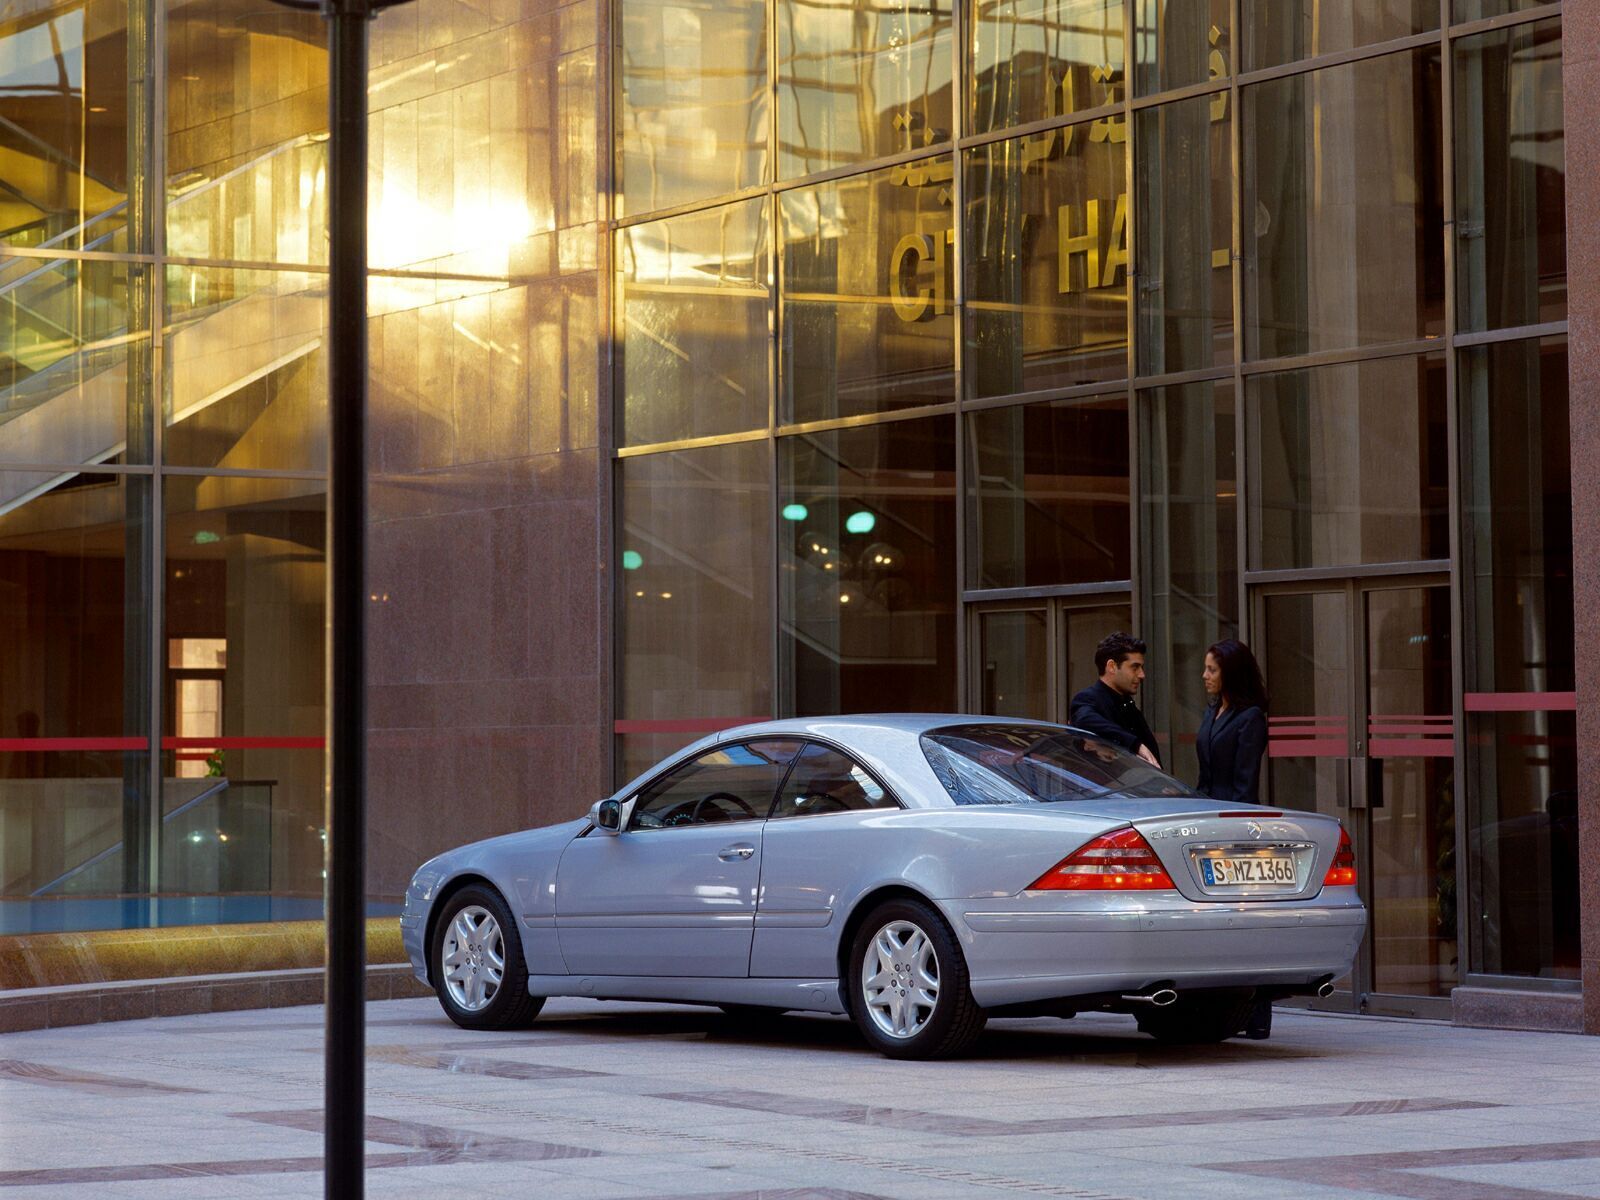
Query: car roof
{"x":886,"y":743}
{"x":865,"y":723}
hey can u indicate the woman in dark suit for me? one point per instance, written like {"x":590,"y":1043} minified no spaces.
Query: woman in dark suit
{"x":1233,"y":732}
{"x":1230,"y":745}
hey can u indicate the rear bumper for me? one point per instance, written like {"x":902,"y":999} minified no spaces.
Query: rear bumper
{"x":1016,"y":955}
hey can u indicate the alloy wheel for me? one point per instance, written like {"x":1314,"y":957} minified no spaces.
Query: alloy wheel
{"x":900,"y":980}
{"x":474,"y":958}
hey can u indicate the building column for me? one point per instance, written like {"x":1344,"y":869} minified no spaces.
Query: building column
{"x":1581,"y":80}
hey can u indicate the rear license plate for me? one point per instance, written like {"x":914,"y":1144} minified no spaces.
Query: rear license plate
{"x":1256,"y":868}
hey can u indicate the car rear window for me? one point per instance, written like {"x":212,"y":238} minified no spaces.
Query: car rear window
{"x":1037,"y":764}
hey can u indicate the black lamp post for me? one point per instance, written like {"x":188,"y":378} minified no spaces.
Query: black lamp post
{"x":344,"y":1070}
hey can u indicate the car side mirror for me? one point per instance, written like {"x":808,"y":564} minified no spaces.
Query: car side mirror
{"x":606,"y":816}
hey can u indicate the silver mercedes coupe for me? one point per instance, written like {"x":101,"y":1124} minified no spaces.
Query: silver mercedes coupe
{"x":919,"y":873}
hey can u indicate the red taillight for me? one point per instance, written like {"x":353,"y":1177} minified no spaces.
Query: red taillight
{"x":1343,"y":871}
{"x":1121,"y":861}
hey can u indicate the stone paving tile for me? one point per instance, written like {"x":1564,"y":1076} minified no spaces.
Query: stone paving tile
{"x":1079,"y":1109}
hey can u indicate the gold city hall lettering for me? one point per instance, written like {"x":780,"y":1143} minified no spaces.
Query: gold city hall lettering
{"x":919,"y":257}
{"x":1070,"y":246}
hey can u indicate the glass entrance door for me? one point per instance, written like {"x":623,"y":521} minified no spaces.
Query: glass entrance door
{"x":1362,"y":727}
{"x":1030,"y":656}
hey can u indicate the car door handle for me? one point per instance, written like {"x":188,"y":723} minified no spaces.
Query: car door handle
{"x":729,"y":853}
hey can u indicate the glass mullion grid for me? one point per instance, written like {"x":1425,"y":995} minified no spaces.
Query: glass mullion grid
{"x":1133,"y":386}
{"x":1234,"y":82}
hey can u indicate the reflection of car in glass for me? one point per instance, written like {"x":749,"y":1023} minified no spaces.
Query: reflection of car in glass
{"x":919,"y":873}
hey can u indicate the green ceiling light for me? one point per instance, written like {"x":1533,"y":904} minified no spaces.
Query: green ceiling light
{"x":795,"y":512}
{"x":860,"y":522}
{"x":632,"y":560}
{"x":205,"y":537}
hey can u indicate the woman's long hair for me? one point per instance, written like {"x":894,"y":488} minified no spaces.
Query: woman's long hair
{"x":1242,"y":686}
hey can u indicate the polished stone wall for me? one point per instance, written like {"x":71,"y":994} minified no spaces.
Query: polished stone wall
{"x":1581,"y":77}
{"x":487,"y":699}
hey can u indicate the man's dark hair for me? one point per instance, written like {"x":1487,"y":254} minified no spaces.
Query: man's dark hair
{"x":1115,"y":647}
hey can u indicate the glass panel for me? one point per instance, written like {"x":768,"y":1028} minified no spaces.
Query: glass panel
{"x":692,"y":304}
{"x":1014,"y":663}
{"x":64,"y":115}
{"x":1477,"y":10}
{"x":1305,"y":657}
{"x":1343,"y":210}
{"x":483,"y":139}
{"x":1033,"y":59}
{"x":1511,"y":247}
{"x":825,"y":781}
{"x":860,"y":79}
{"x":1049,"y":493}
{"x":1183,"y":177}
{"x":1349,"y":464}
{"x":695,"y":603}
{"x":245,"y":573}
{"x":1282,"y":31}
{"x":1517,"y":498}
{"x":1413,"y":840}
{"x":1188,"y":514}
{"x":865,"y":289}
{"x":1179,"y":43}
{"x":67,"y":391}
{"x":246,"y":377}
{"x":730,"y":783}
{"x":1046,"y":261}
{"x":1523,"y":810}
{"x":692,"y":101}
{"x":247,"y":120}
{"x":867,"y":569}
{"x":74,"y":769}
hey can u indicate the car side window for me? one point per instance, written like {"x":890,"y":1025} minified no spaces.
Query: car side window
{"x":729,"y":783}
{"x":826,"y":781}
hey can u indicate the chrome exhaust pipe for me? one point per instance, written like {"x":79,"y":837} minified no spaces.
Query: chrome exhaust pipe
{"x":1160,"y":997}
{"x":1324,"y":990}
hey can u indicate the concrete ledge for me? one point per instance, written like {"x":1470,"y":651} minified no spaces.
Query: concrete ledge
{"x":134,"y":1000}
{"x":1508,"y":1008}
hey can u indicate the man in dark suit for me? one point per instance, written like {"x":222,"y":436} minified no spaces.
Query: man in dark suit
{"x":1106,"y":707}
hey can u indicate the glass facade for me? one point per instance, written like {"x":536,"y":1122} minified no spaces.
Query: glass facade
{"x":163,"y":414}
{"x":1211,"y":319}
{"x":916,"y":347}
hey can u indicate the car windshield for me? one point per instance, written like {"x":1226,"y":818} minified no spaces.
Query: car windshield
{"x":1037,"y":764}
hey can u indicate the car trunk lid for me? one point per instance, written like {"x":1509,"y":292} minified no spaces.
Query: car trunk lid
{"x":1236,"y":855}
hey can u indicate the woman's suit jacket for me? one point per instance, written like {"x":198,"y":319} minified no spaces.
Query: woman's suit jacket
{"x":1230,"y":746}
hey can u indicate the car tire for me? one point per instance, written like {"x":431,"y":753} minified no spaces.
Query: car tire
{"x":1199,"y":1020}
{"x":477,"y":965}
{"x":917,"y":1001}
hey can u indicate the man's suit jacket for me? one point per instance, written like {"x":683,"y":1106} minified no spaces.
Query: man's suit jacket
{"x":1109,"y":714}
{"x":1230,"y":746}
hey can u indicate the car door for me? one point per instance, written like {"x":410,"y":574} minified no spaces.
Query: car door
{"x":674,"y":894}
{"x":824,"y":835}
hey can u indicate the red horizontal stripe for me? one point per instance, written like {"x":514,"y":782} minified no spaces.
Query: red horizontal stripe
{"x":243,"y":743}
{"x":685,"y":725}
{"x":1308,"y":748}
{"x":1386,"y":728}
{"x":78,"y":743}
{"x":1520,"y":701}
{"x":1413,"y":747}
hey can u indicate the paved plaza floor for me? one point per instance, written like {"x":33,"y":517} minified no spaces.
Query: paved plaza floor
{"x":633,"y":1100}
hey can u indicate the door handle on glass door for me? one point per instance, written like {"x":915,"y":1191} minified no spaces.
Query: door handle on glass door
{"x":729,"y":853}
